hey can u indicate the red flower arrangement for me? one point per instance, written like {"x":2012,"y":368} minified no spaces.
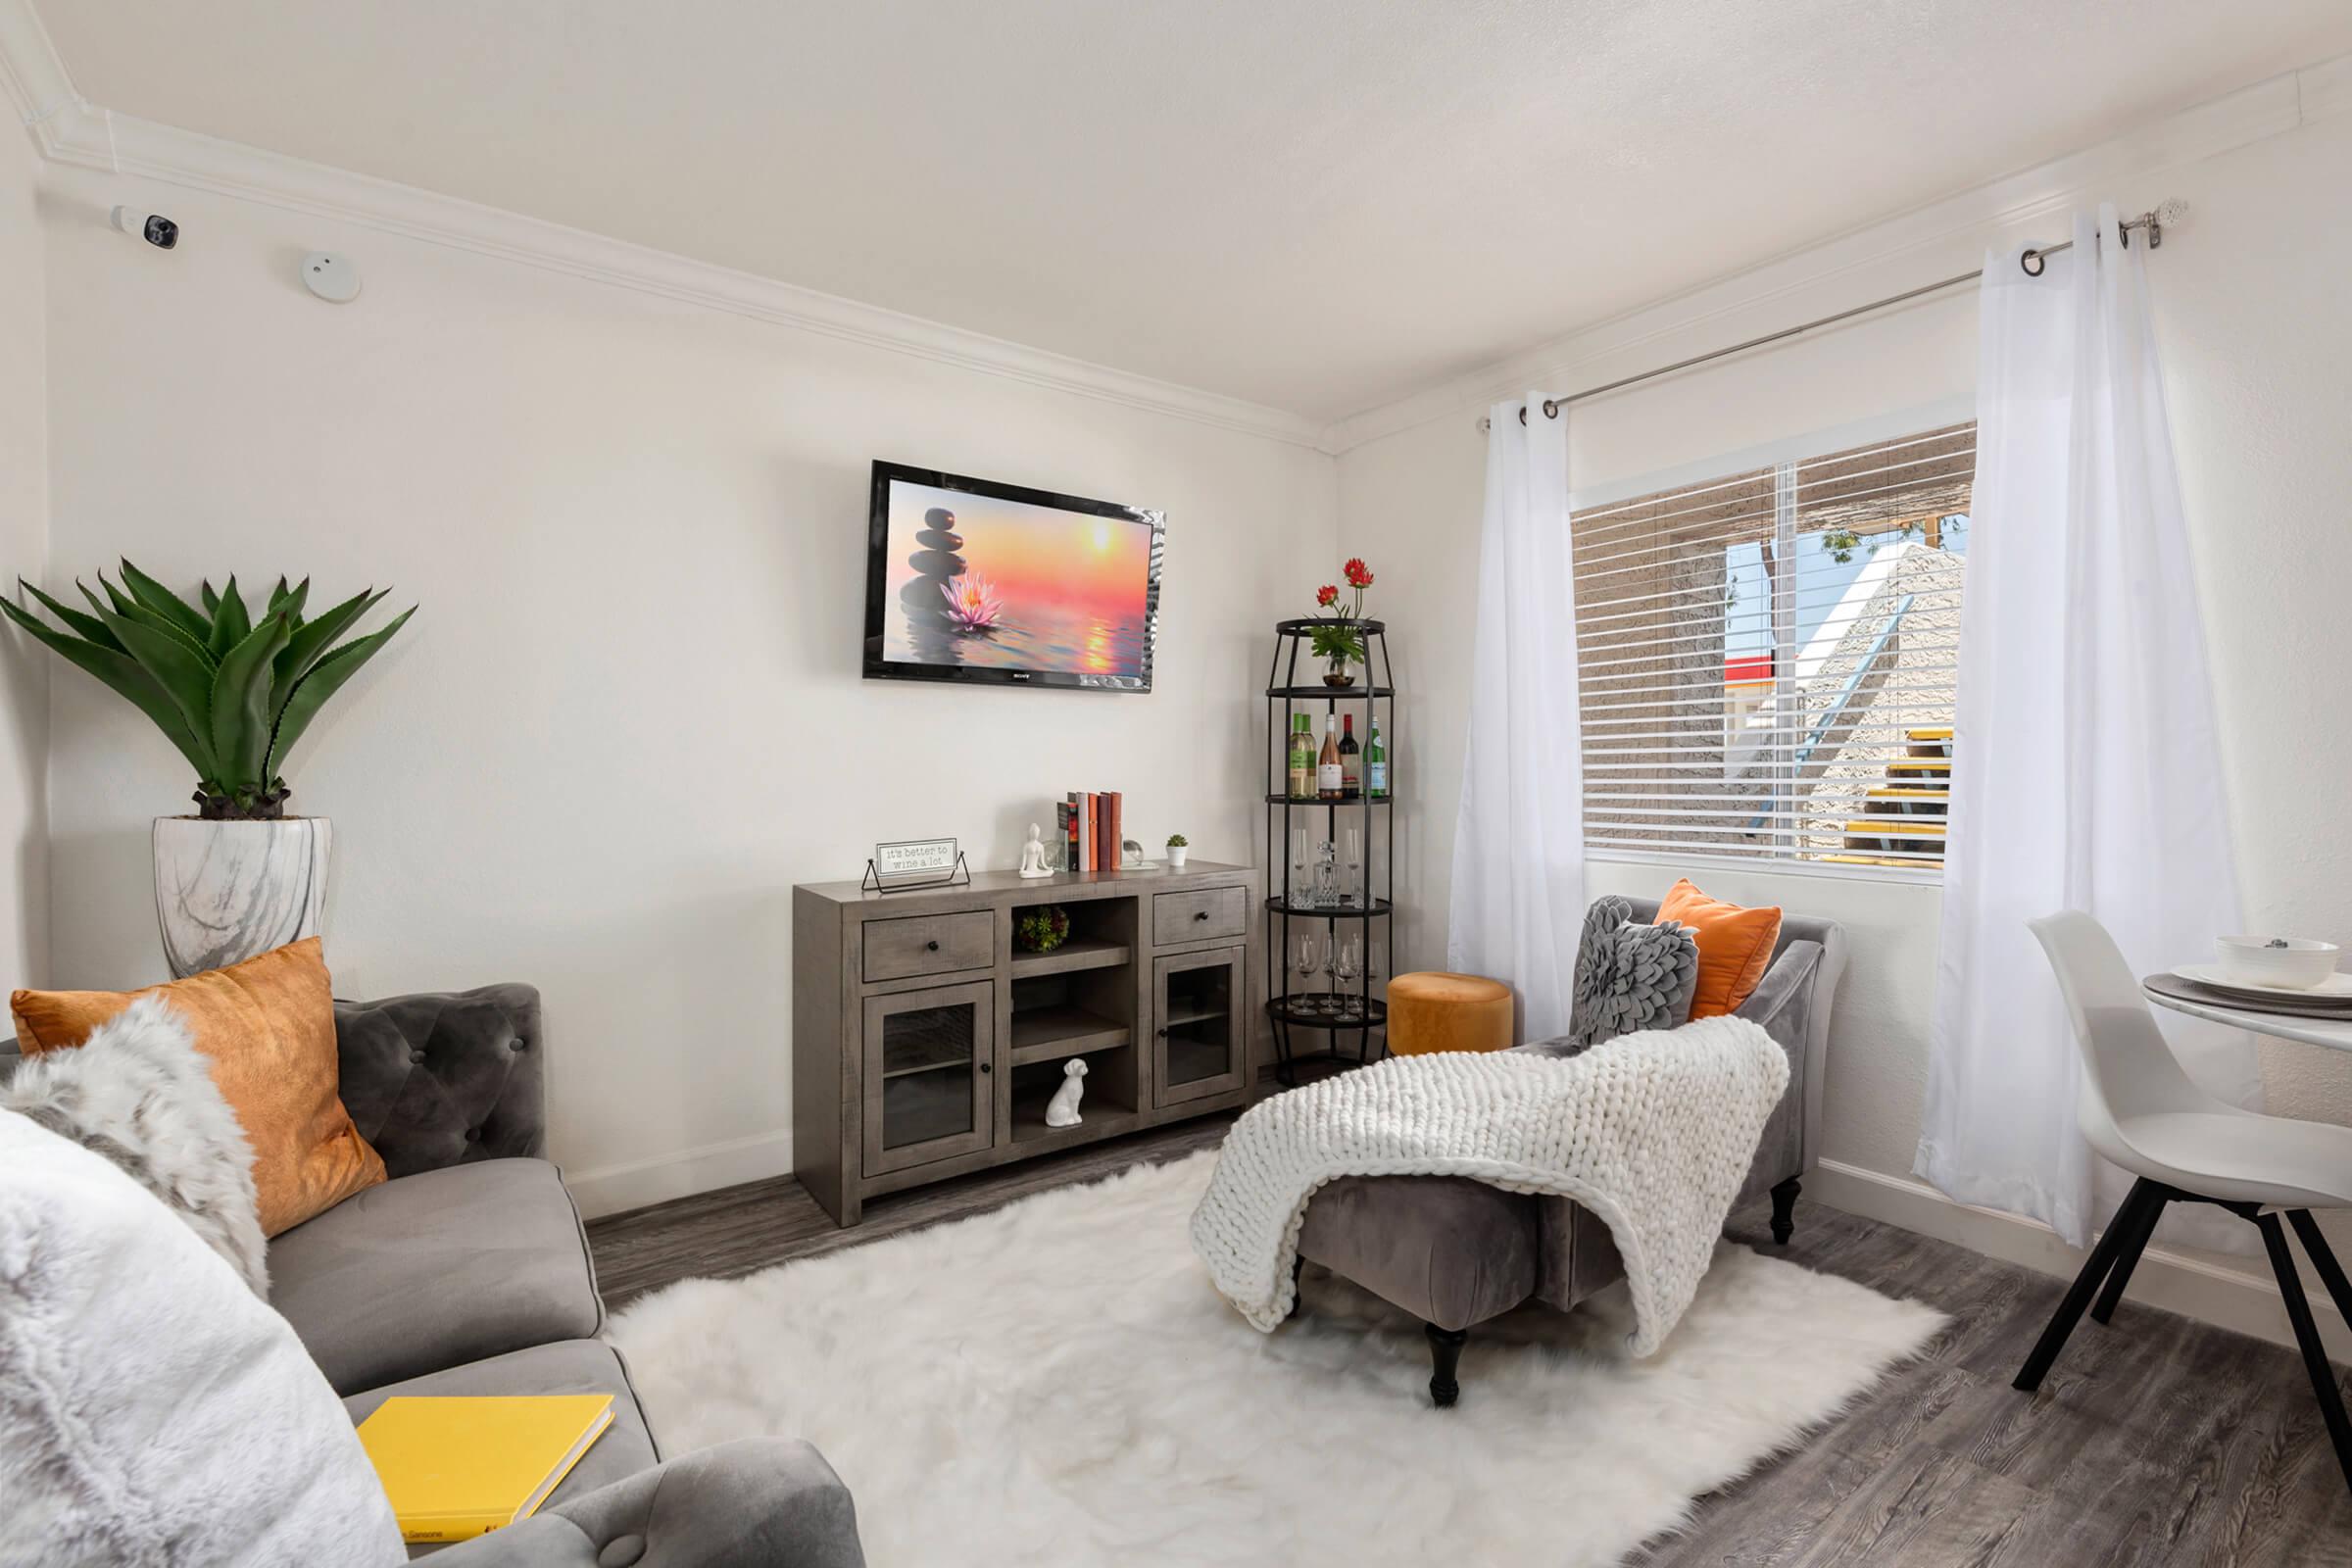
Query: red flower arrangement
{"x":1336,"y":639}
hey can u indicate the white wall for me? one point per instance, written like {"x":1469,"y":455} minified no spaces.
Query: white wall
{"x":2255,"y":335}
{"x":628,"y":717}
{"x":24,"y":550}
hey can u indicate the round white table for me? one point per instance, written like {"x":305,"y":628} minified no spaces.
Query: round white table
{"x":2311,"y":1031}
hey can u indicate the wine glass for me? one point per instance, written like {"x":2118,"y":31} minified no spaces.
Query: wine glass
{"x":1346,"y":963}
{"x":1306,"y":954}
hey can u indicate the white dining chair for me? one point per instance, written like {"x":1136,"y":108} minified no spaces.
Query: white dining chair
{"x":2139,"y":1109}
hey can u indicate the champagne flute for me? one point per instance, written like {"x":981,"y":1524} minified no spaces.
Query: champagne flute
{"x":1301,"y":892}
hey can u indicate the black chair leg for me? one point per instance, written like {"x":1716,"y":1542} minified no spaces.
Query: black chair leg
{"x":1444,"y":1357}
{"x":2322,"y":1258}
{"x":2127,"y":1260}
{"x":2307,"y":1336}
{"x":1784,"y":1210}
{"x":2144,"y":1193}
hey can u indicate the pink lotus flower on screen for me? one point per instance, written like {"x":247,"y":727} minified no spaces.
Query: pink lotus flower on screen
{"x":973,"y":603}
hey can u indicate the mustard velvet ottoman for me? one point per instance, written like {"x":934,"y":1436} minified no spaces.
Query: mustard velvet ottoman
{"x":1440,"y":1012}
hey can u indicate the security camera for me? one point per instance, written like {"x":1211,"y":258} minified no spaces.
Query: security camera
{"x":153,"y":227}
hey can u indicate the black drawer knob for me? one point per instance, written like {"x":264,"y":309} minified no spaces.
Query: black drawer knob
{"x":984,"y":1066}
{"x":1199,"y":914}
{"x":930,"y":947}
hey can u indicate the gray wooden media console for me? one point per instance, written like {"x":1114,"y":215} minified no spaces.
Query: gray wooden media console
{"x":925,"y":1045}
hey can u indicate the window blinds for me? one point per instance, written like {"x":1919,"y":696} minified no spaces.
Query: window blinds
{"x":1766,"y":661}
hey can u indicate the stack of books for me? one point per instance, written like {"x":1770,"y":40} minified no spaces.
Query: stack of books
{"x":1091,"y":828}
{"x":457,"y":1468}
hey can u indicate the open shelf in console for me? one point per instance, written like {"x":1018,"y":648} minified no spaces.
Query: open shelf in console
{"x":1109,"y":1097}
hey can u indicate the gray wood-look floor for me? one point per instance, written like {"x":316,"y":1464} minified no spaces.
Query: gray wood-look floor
{"x":2157,"y":1440}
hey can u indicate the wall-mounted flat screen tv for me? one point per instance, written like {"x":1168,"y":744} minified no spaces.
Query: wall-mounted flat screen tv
{"x":971,"y":580}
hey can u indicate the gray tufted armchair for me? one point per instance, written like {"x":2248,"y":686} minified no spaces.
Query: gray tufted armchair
{"x":468,"y":1272}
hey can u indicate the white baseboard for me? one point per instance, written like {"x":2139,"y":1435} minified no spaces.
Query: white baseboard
{"x":635,"y":1183}
{"x":2249,"y":1303}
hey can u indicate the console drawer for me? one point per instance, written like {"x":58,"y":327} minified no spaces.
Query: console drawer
{"x":1198,"y":916}
{"x":929,"y":943}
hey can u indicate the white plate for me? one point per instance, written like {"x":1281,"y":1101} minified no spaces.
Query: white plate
{"x":2337,"y":987}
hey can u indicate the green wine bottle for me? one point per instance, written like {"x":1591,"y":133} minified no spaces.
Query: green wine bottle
{"x":1376,"y":763}
{"x":1301,"y":783}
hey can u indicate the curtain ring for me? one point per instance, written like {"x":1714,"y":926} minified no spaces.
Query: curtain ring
{"x":1551,"y":409}
{"x":1523,"y":414}
{"x":2030,"y":260}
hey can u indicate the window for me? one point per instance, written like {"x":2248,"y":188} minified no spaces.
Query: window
{"x":1767,"y":661}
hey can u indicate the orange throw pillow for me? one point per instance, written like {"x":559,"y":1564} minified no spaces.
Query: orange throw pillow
{"x":268,"y":1026}
{"x":1735,"y":947}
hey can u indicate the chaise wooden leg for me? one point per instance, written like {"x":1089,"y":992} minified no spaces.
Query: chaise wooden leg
{"x":2307,"y":1334}
{"x":2127,"y":1260}
{"x":2144,"y":1194}
{"x":1445,"y":1356}
{"x":1784,"y":1210}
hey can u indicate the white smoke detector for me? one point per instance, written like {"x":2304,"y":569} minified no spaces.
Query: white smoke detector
{"x":330,"y":276}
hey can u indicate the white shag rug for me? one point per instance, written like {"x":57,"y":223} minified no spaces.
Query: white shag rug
{"x":1059,"y":1383}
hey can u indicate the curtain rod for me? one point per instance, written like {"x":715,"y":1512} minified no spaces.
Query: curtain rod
{"x":2032,"y":259}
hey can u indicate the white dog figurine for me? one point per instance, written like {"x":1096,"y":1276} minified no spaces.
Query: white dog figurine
{"x":1062,"y":1109}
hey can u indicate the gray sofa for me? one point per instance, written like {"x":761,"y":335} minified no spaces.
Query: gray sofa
{"x":469,"y":1272}
{"x":1455,"y":1253}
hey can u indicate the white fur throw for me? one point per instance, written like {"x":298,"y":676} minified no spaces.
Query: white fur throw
{"x":1653,"y":1132}
{"x":138,"y":1093}
{"x":153,"y":1413}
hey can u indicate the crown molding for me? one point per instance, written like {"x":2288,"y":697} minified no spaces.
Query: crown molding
{"x":1887,"y":257}
{"x":71,"y":131}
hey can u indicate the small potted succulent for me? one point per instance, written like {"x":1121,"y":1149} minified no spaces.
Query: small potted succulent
{"x":1177,"y":845}
{"x":1041,"y":929}
{"x":1337,"y":638}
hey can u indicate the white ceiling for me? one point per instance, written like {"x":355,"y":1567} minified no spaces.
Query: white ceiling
{"x":1318,"y":205}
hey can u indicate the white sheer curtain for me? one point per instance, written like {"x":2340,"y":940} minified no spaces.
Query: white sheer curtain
{"x":2086,"y":771}
{"x":1519,"y":846}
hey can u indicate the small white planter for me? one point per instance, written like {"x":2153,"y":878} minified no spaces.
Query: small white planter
{"x":226,"y":891}
{"x":1176,"y":854}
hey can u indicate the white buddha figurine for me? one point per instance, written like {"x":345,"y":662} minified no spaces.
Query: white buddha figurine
{"x":1033,"y":855}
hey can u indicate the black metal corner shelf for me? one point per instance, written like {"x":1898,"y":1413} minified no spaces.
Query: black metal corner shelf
{"x":1377,"y":908}
{"x":1335,"y":1012}
{"x":1352,"y":1012}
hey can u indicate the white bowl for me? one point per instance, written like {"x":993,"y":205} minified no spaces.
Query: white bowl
{"x":2299,"y":964}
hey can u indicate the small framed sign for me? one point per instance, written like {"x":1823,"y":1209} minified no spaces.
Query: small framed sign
{"x":906,"y":863}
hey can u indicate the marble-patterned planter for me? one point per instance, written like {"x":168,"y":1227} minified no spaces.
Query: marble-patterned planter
{"x":226,"y":891}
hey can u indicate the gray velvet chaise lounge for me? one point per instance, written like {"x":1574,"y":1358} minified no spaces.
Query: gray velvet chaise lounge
{"x":1455,"y":1253}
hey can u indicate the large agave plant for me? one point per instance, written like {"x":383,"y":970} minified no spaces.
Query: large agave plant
{"x":232,"y":691}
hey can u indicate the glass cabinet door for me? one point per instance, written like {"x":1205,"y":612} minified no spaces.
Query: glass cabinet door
{"x":1202,"y":1024}
{"x":928,"y":1072}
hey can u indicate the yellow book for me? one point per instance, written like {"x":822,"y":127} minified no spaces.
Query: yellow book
{"x":457,"y":1468}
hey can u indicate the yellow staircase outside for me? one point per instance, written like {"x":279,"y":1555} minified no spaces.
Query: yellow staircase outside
{"x":1902,"y":820}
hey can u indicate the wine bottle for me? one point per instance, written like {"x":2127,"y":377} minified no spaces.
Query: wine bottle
{"x":1376,"y":764}
{"x":1328,"y":773}
{"x":1301,"y":784}
{"x":1352,"y":761}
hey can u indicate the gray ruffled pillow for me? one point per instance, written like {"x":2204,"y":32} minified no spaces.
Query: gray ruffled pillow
{"x":1631,"y":976}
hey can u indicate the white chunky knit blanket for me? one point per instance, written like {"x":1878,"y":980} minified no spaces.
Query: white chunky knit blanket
{"x":1653,"y":1132}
